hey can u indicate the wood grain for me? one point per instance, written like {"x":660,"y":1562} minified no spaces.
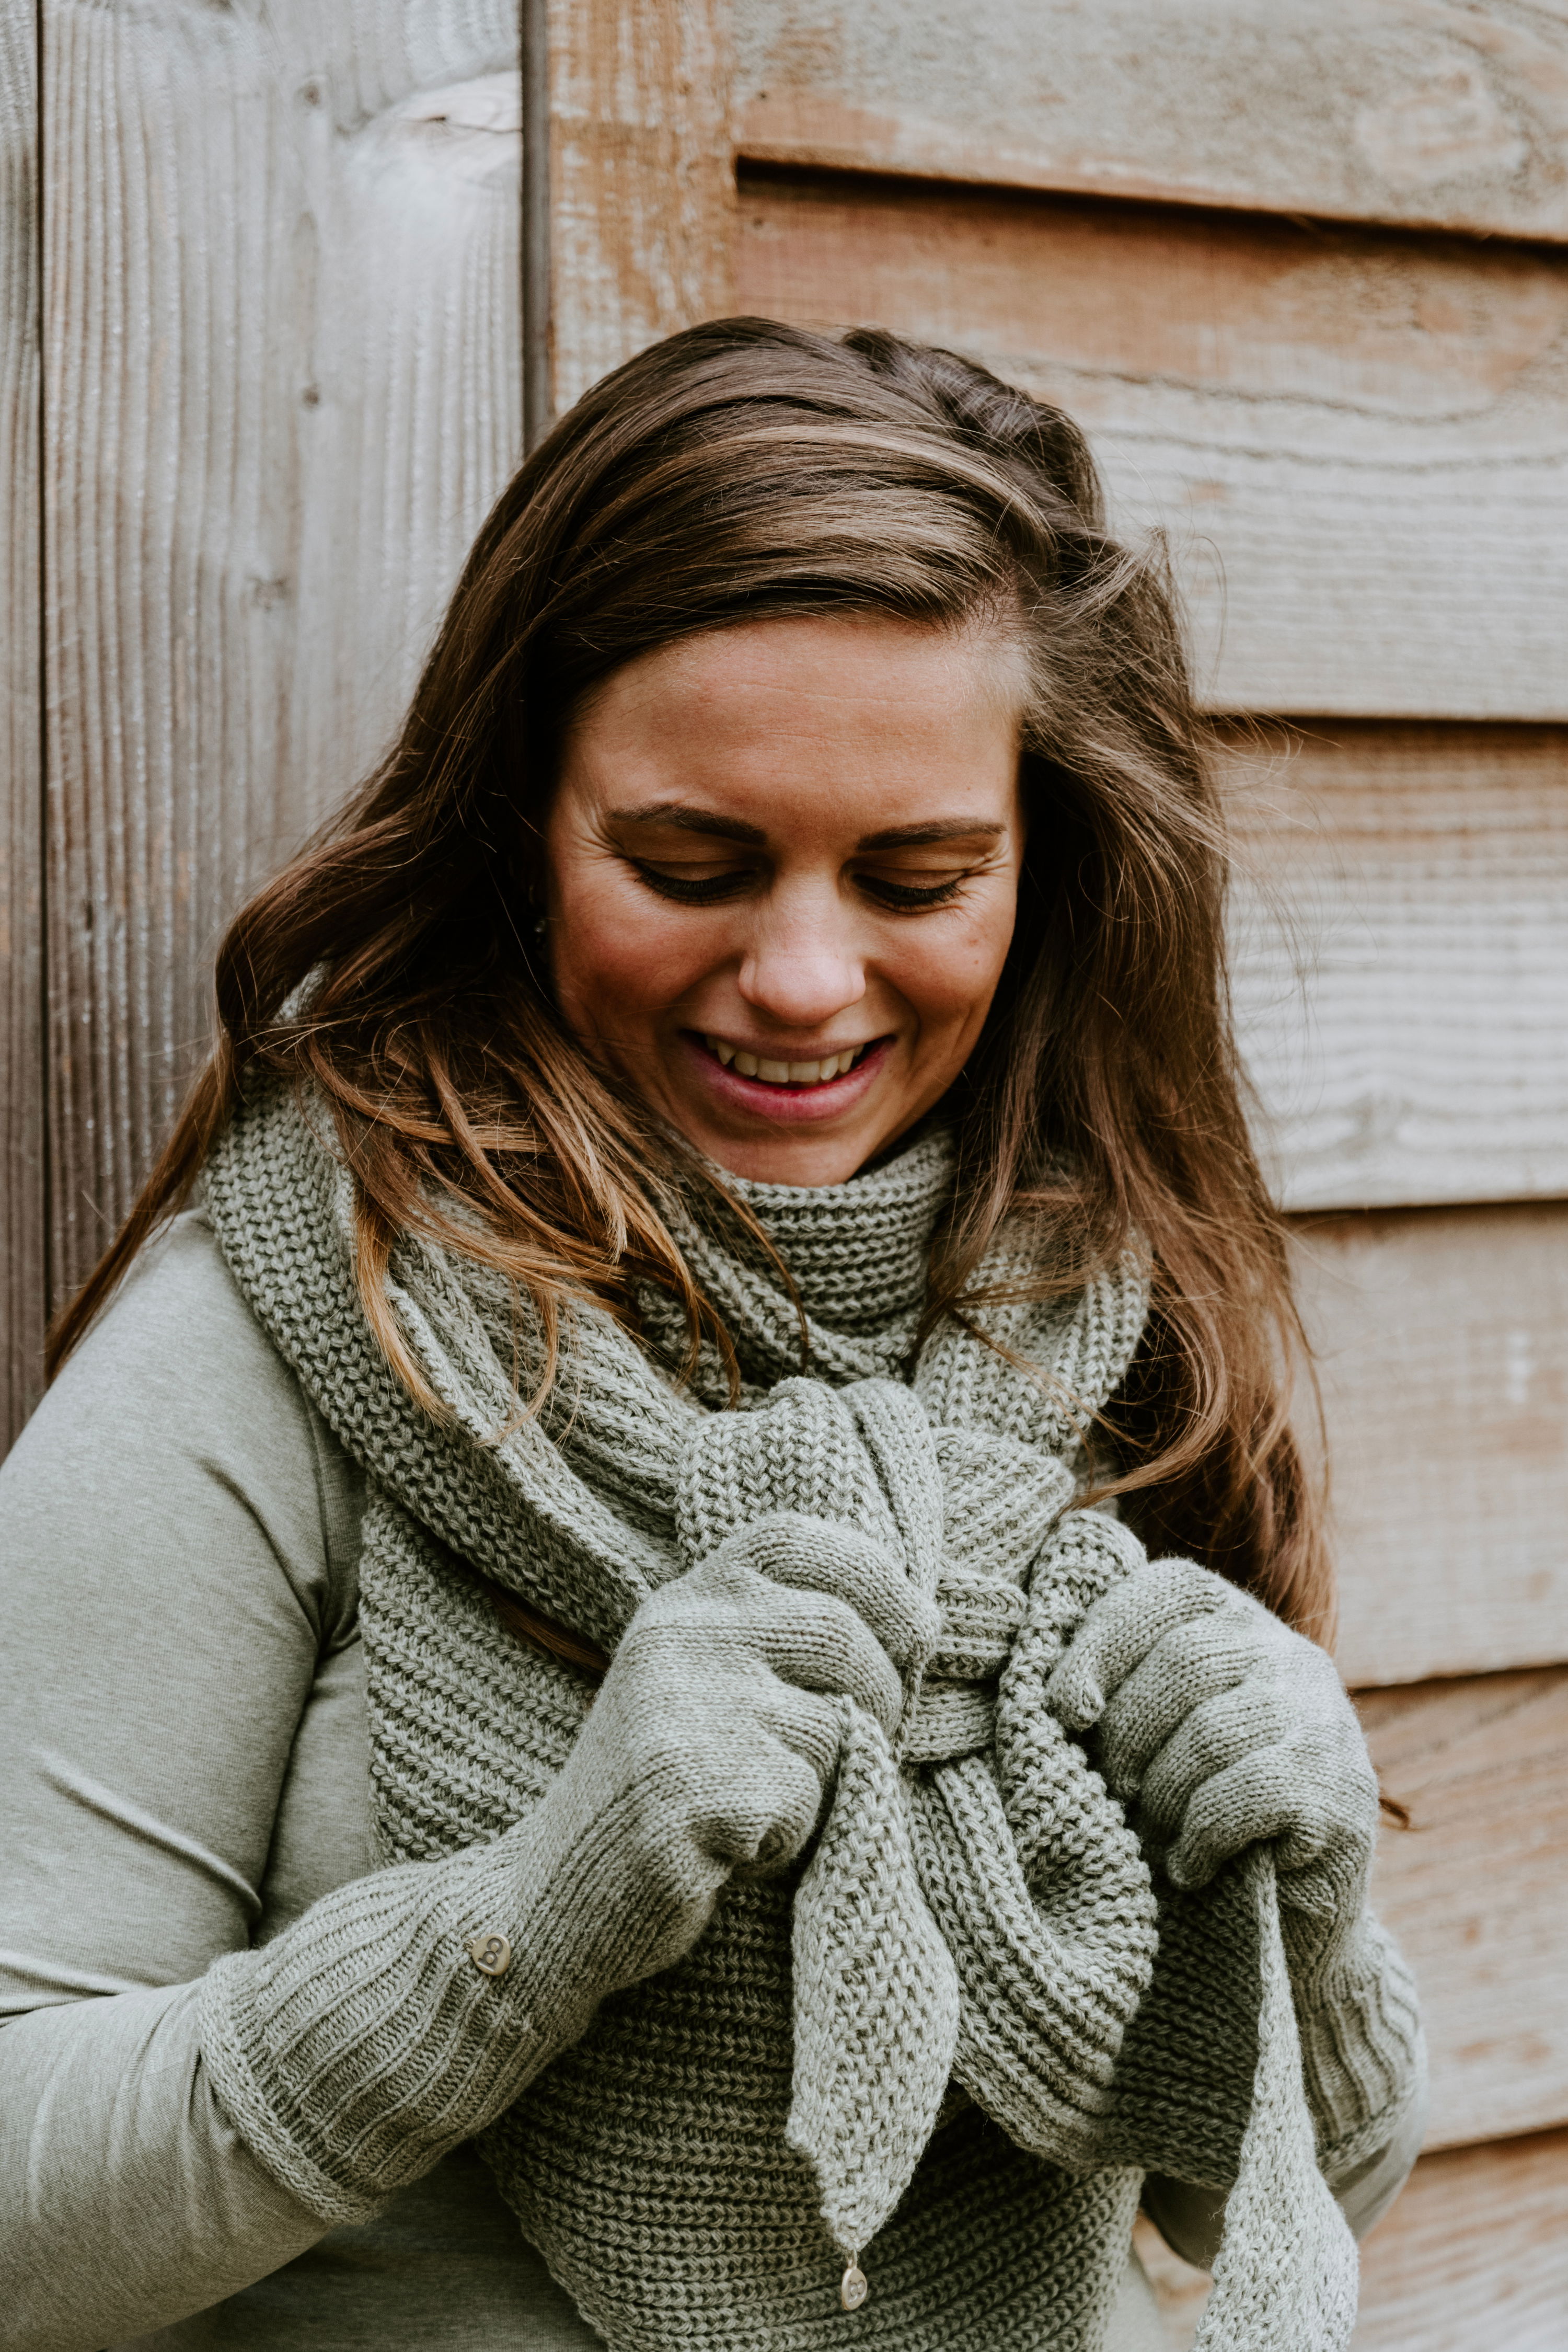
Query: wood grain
{"x":1409,"y":110}
{"x":1443,"y":1354}
{"x":642,"y":182}
{"x":22,"y":1182}
{"x":1400,"y":960}
{"x":1472,"y":2256}
{"x":1475,"y":1890}
{"x":1356,"y":439}
{"x":282,"y":352}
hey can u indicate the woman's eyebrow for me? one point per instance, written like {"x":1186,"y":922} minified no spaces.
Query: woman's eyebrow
{"x":944,"y":828}
{"x":690,"y":820}
{"x":734,"y":828}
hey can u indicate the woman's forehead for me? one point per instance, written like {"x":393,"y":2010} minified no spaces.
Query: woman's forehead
{"x":870,"y":713}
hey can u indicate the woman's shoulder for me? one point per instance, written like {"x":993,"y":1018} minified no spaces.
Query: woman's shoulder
{"x":177,"y":1388}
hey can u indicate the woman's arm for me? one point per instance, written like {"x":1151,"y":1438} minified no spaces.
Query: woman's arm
{"x":175,"y":1596}
{"x":176,"y":1542}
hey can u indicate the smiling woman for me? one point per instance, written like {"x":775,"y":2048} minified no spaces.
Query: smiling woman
{"x":792,"y":994}
{"x":612,"y":1629}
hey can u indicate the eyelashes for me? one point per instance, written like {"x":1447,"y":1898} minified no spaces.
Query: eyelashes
{"x":713,"y":891}
{"x":709,"y":892}
{"x":904,"y":894}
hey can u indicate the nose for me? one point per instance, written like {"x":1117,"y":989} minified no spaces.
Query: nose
{"x":802,"y":966}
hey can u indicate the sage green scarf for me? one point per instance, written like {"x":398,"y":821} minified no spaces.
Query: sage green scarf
{"x":946,"y":2045}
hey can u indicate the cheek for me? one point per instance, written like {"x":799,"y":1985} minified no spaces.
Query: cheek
{"x":950,"y":979}
{"x":615,"y":950}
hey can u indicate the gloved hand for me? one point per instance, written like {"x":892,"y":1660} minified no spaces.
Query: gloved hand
{"x":406,"y":2011}
{"x":1224,"y":1729}
{"x":713,"y":1741}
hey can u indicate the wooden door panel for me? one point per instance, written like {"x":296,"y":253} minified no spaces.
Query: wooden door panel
{"x":1354,"y":437}
{"x":22,"y":1229}
{"x":284,"y":374}
{"x":1413,"y":111}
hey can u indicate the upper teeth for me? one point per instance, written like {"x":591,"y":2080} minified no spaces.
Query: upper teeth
{"x":783,"y":1073}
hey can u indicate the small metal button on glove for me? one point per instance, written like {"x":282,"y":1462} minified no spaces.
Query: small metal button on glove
{"x":491,"y":1954}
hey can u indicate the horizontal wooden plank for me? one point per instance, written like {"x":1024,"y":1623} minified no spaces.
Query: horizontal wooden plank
{"x":22,"y":1250}
{"x":1412,"y":111}
{"x":1443,"y":1345}
{"x":283,"y":363}
{"x":1354,"y":437}
{"x":1400,"y":946}
{"x":1476,"y":1891}
{"x":1472,"y":2256}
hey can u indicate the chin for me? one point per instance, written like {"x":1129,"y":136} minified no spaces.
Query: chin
{"x":790,"y":1160}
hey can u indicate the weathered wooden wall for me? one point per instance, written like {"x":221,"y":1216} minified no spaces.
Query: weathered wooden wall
{"x":1351,"y":434}
{"x":280,"y":287}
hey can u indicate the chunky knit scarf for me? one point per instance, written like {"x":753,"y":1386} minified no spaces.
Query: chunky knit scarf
{"x":945,"y":2045}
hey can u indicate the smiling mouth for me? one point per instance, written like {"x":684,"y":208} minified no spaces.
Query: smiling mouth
{"x":799,"y":1074}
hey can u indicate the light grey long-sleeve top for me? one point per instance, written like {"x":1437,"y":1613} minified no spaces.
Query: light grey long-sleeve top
{"x":184,"y":1772}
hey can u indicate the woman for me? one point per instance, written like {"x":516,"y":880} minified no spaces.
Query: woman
{"x":591,"y":1707}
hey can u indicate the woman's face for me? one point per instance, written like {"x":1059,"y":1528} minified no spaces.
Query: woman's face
{"x":783,"y":868}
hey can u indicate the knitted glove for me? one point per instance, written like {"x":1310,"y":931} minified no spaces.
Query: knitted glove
{"x":1221,"y":1728}
{"x":1226,"y":1728}
{"x":408,"y":2010}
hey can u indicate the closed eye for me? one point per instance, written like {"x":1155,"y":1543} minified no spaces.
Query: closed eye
{"x":700,"y":886}
{"x":911,"y":896}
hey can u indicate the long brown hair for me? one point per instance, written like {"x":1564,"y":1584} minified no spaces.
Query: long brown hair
{"x":744,"y":470}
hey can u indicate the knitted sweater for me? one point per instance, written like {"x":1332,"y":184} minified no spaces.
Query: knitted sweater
{"x":977,"y":1907}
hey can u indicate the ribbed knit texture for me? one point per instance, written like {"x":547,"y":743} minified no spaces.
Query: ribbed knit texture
{"x":694,"y":2156}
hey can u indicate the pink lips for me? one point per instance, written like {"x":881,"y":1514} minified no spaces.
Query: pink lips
{"x":789,"y":1105}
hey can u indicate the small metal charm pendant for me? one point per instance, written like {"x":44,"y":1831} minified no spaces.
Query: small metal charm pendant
{"x":853,"y":2288}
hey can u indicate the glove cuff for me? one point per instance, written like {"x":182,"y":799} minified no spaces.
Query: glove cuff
{"x":1359,"y":2028}
{"x":402,"y":2014}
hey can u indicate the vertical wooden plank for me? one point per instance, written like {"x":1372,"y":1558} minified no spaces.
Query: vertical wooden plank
{"x":283,"y":352}
{"x":22,"y":1186}
{"x":641,"y":181}
{"x":539,"y":389}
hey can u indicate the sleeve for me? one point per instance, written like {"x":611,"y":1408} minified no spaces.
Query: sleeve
{"x":174,"y":1530}
{"x":1364,"y":2062}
